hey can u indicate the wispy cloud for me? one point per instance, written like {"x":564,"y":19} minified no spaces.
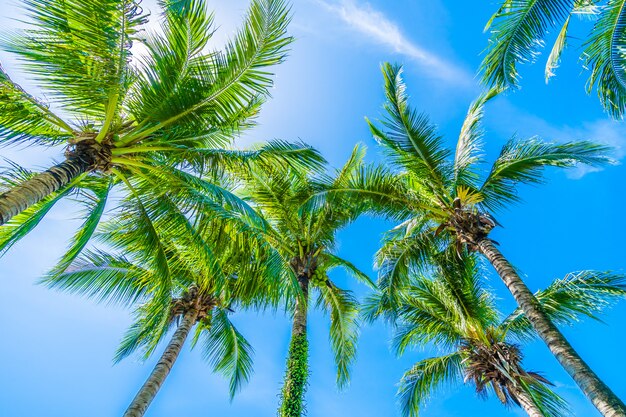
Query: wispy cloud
{"x":373,"y":24}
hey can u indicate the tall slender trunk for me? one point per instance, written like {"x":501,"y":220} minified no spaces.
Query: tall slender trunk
{"x":296,"y":376}
{"x":148,"y":391}
{"x":24,"y":195}
{"x":528,"y":405}
{"x":607,"y":403}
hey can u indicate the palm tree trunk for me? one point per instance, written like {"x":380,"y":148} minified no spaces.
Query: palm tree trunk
{"x":29,"y":192}
{"x":294,"y":387}
{"x":607,"y":403}
{"x":148,"y":391}
{"x":528,"y":405}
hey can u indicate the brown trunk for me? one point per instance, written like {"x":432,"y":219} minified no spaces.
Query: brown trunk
{"x":607,"y":403}
{"x":32,"y":191}
{"x":148,"y":391}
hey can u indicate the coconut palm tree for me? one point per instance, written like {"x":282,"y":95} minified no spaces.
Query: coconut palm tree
{"x":520,"y":27}
{"x":451,"y":203}
{"x":178,"y":269}
{"x":451,"y":308}
{"x":164,"y":114}
{"x":303,"y":223}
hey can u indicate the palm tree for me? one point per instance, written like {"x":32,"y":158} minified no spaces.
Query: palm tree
{"x":177,"y":269}
{"x":302,"y":227}
{"x":165,"y":115}
{"x":455,"y":311}
{"x":450,"y":203}
{"x":519,"y":28}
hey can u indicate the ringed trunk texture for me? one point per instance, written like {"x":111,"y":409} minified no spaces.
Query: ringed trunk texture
{"x":607,"y":403}
{"x":296,"y":376}
{"x":528,"y":405}
{"x":32,"y":191}
{"x":148,"y":391}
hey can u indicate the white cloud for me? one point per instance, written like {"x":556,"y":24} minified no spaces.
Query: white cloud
{"x":375,"y":25}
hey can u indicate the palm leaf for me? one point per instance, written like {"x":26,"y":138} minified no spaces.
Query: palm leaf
{"x":344,"y":328}
{"x":604,"y":55}
{"x":228,"y":351}
{"x":557,"y":49}
{"x":80,"y":51}
{"x":411,"y":140}
{"x":567,"y":300}
{"x":523,"y":161}
{"x":107,"y":278}
{"x":24,"y":119}
{"x":516,"y":33}
{"x":423,"y":378}
{"x":94,"y":210}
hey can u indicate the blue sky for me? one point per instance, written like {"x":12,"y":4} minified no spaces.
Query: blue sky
{"x":56,"y":352}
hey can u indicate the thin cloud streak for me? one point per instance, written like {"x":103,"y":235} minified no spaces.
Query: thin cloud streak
{"x":375,"y":25}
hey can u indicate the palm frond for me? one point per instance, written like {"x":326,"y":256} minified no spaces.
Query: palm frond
{"x":94,"y":210}
{"x":24,"y":119}
{"x":469,"y":147}
{"x":410,"y":139}
{"x":104,"y":277}
{"x":567,"y":300}
{"x":555,"y":54}
{"x":80,"y":50}
{"x":344,"y":327}
{"x":604,"y":55}
{"x":523,"y":161}
{"x":333,"y":261}
{"x":545,"y":399}
{"x":517,"y":32}
{"x":419,"y":383}
{"x":222,"y":85}
{"x":228,"y":351}
{"x":152,"y":322}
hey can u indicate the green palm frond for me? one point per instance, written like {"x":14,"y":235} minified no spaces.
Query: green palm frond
{"x":409,"y":138}
{"x":429,"y":313}
{"x":423,"y":378}
{"x":557,"y":49}
{"x":546,"y":400}
{"x":469,"y":146}
{"x":516,"y":34}
{"x":107,"y":278}
{"x":228,"y":351}
{"x":93,"y":214}
{"x":221,"y":85}
{"x":152,"y":322}
{"x":523,"y":161}
{"x":344,"y":327}
{"x":605,"y":56}
{"x":26,"y":120}
{"x":80,"y":50}
{"x":331,"y":261}
{"x":398,"y":258}
{"x":567,"y":300}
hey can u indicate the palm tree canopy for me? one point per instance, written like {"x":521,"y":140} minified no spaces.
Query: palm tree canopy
{"x":161,"y":260}
{"x":450,"y":307}
{"x":520,"y":27}
{"x":444,"y":194}
{"x":303,"y":221}
{"x":162,"y":117}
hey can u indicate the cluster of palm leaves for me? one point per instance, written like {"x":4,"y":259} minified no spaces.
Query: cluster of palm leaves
{"x":187,"y":230}
{"x":520,"y":28}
